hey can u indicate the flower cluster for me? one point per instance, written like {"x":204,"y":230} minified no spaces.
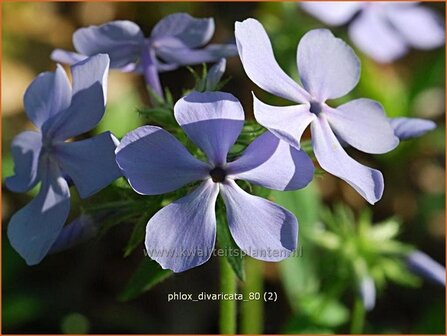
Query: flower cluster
{"x":155,"y":162}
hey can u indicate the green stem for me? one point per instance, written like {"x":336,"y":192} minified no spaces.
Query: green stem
{"x":228,"y":285}
{"x":252,"y":311}
{"x":358,"y":317}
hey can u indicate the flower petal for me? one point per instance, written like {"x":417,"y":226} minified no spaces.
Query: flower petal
{"x":33,"y":229}
{"x":362,"y":123}
{"x":422,"y":264}
{"x":25,"y":151}
{"x":287,"y":122}
{"x":186,"y":56}
{"x":47,"y":95}
{"x":406,"y":128}
{"x":215,"y":74}
{"x":430,"y":32}
{"x":271,"y":237}
{"x":121,"y":40}
{"x":372,"y":34}
{"x":155,"y":162}
{"x":191,"y":31}
{"x":331,"y":156}
{"x":67,"y":57}
{"x":272,"y":163}
{"x":256,"y":53}
{"x":212,"y":120}
{"x":328,"y":67}
{"x":182,"y":235}
{"x":332,"y":13}
{"x":89,"y":163}
{"x":89,"y":98}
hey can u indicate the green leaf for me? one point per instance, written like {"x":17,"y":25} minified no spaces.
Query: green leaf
{"x":226,"y":242}
{"x":325,"y":311}
{"x":136,"y":237}
{"x":148,"y":274}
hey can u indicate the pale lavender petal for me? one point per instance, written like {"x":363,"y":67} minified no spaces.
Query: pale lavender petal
{"x":272,"y":163}
{"x":155,"y":162}
{"x":406,"y":128}
{"x":90,"y":163}
{"x":25,"y":150}
{"x":212,"y":120}
{"x":47,"y":95}
{"x":332,"y":13}
{"x":258,"y":60}
{"x":182,"y":235}
{"x":121,"y":40}
{"x":79,"y":230}
{"x":372,"y":34}
{"x":430,"y":31}
{"x":187,"y":56}
{"x":362,"y":123}
{"x":328,"y":67}
{"x":191,"y":31}
{"x":272,"y":236}
{"x":287,"y":122}
{"x":331,"y":156}
{"x":89,"y":98}
{"x":33,"y":229}
{"x":368,"y":293}
{"x":67,"y":57}
{"x":215,"y":74}
{"x":150,"y":71}
{"x":423,"y":265}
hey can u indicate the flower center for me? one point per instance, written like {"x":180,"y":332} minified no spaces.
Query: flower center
{"x":218,"y":174}
{"x":315,"y":107}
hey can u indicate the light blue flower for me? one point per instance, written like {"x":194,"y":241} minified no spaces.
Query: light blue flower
{"x":59,"y":112}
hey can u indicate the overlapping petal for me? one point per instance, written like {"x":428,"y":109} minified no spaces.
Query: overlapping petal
{"x":332,"y":13}
{"x":331,"y":156}
{"x":406,"y":128}
{"x":430,"y":32}
{"x":261,"y":228}
{"x":182,"y":235}
{"x":47,"y":95}
{"x":67,"y":57}
{"x":374,"y":36}
{"x":190,"y":31}
{"x":155,"y":162}
{"x":286,"y":122}
{"x":89,"y":163}
{"x":274,"y":164}
{"x":89,"y":98}
{"x":258,"y":60}
{"x":362,"y":123}
{"x":212,"y":120}
{"x":121,"y":40}
{"x":25,"y":151}
{"x":33,"y":229}
{"x":328,"y":67}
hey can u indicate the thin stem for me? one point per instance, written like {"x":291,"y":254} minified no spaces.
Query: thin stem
{"x":358,"y":317}
{"x":228,"y":285}
{"x":252,"y":311}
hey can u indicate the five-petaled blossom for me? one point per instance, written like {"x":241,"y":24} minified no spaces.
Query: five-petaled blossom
{"x":328,"y":69}
{"x":182,"y":235}
{"x":175,"y":41}
{"x":60,"y":112}
{"x":383,"y":30}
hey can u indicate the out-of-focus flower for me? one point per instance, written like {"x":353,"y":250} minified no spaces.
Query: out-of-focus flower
{"x":60,"y":112}
{"x":367,"y":291}
{"x":328,"y":69}
{"x":406,"y":128}
{"x":383,"y":30}
{"x":176,"y":40}
{"x":182,"y":235}
{"x":423,"y":265}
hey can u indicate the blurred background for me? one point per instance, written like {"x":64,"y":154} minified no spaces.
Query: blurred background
{"x":77,"y":291}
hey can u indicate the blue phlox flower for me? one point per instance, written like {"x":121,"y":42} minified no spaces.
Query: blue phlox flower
{"x":60,"y":112}
{"x":176,"y":40}
{"x":182,"y":235}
